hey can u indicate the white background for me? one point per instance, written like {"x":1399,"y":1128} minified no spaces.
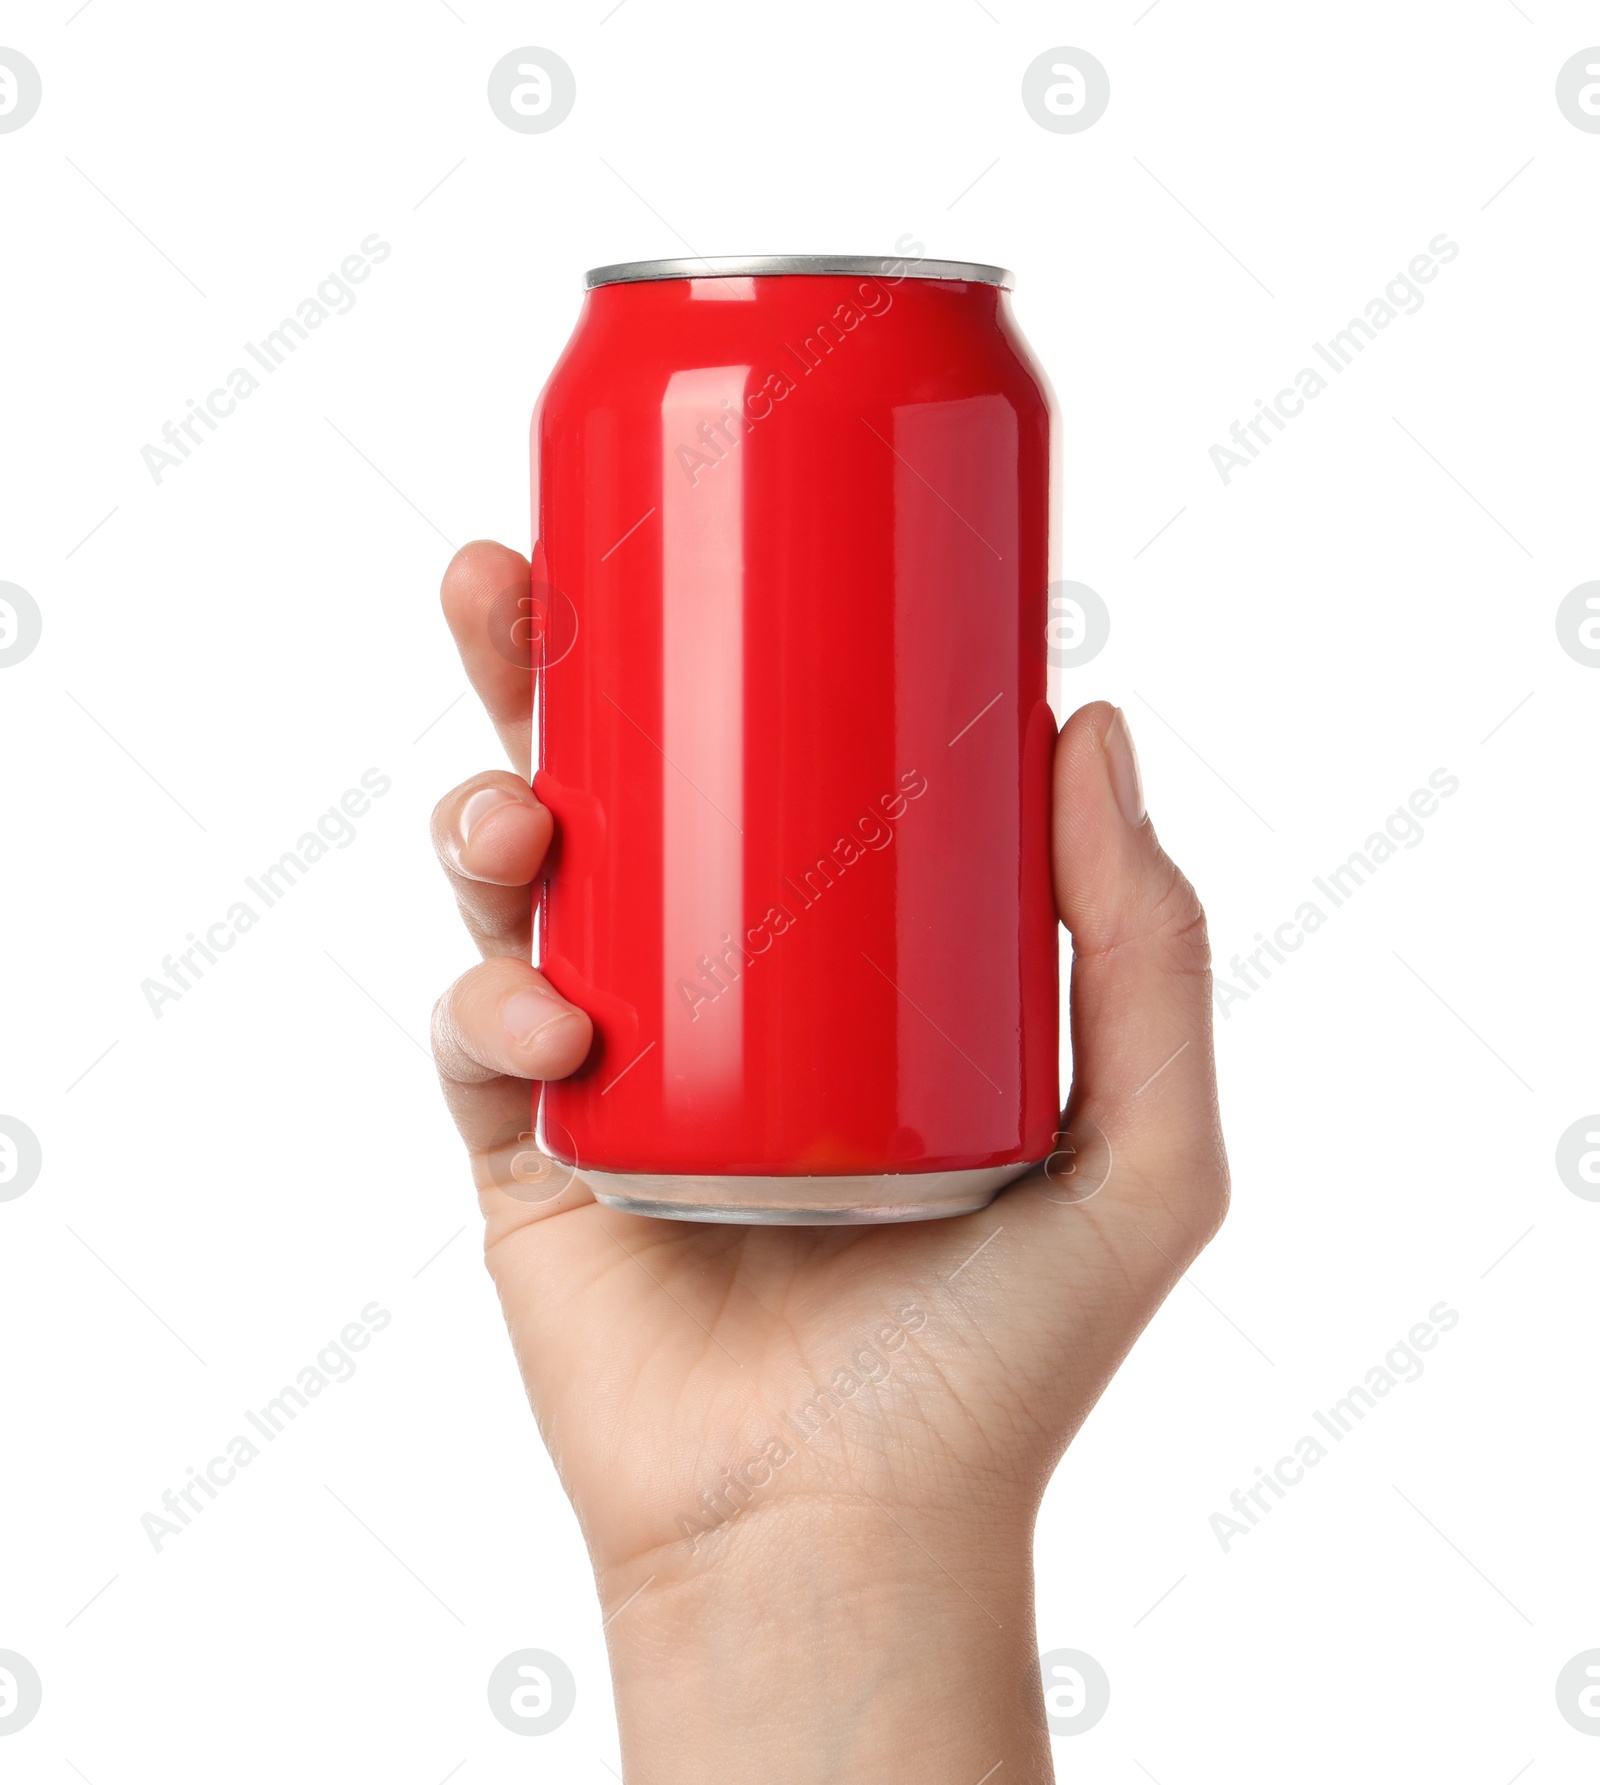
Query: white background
{"x":226,"y":652}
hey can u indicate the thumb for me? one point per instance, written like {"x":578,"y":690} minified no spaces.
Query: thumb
{"x":1143,"y":1067}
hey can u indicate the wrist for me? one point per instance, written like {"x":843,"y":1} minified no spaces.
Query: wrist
{"x":821,"y":1637}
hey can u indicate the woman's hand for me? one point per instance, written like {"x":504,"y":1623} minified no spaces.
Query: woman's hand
{"x":807,"y":1461}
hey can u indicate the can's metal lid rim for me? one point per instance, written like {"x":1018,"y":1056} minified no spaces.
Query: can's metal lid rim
{"x":758,"y":266}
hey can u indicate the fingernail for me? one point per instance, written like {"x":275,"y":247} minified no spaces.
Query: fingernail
{"x":525,"y":1014}
{"x":474,"y":810}
{"x":1123,"y":763}
{"x":478,"y":807}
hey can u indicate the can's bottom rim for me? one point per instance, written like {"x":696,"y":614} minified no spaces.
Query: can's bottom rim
{"x":867,"y":1200}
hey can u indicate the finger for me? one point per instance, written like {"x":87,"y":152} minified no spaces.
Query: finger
{"x":491,"y":835}
{"x":498,"y":1120}
{"x":1141,"y":961}
{"x":499,"y":1026}
{"x":1143,"y":1069}
{"x":504,"y":1018}
{"x":484,"y":595}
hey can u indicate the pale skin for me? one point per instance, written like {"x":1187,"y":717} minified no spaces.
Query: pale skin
{"x":864,"y":1608}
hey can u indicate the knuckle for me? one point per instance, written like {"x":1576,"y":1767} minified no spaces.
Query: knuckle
{"x":445,"y":1022}
{"x":1178,"y":923}
{"x":446,"y":1007}
{"x":498,"y":926}
{"x":439,"y":1027}
{"x":1192,"y":1189}
{"x":1213,"y":1196}
{"x":1173,"y":921}
{"x":462,"y":1024}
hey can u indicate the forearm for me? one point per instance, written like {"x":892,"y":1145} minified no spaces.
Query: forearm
{"x":829,"y":1640}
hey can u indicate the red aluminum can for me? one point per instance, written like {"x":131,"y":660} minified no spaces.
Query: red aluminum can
{"x":792,"y":534}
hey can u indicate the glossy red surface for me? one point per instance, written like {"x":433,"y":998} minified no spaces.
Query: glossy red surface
{"x":798,"y":745}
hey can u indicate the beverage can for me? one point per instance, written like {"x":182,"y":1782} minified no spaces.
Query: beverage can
{"x":792,"y":546}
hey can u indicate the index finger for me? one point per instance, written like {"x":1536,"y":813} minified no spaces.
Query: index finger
{"x":485,"y":598}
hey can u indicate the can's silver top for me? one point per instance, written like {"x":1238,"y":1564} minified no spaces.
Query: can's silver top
{"x":766,"y":266}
